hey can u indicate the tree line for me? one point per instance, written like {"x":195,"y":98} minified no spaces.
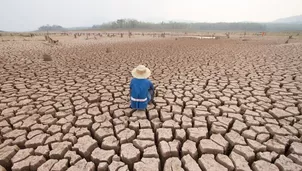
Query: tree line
{"x":132,"y":24}
{"x":221,"y":26}
{"x":51,"y":28}
{"x":135,"y":24}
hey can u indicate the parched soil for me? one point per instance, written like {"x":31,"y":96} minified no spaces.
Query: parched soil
{"x":219,"y":105}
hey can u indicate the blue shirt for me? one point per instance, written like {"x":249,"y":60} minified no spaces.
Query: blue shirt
{"x":139,"y":91}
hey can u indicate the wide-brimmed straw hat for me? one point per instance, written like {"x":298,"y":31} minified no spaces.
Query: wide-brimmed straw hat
{"x":141,"y":72}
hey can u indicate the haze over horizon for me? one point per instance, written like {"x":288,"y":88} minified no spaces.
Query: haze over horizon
{"x":20,"y":15}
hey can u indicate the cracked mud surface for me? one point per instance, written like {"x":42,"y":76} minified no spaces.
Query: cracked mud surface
{"x":219,"y":105}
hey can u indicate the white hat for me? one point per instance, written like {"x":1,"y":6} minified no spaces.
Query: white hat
{"x":141,"y":72}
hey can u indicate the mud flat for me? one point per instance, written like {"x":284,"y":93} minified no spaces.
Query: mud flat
{"x":220,"y":105}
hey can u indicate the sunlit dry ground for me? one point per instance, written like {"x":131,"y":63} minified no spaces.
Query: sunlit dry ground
{"x":220,"y":104}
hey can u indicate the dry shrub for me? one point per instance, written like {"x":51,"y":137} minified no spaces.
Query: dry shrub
{"x":245,"y":40}
{"x":46,"y":57}
{"x":227,"y":35}
{"x":286,"y":41}
{"x":25,"y":35}
{"x":108,"y":50}
{"x":175,"y":38}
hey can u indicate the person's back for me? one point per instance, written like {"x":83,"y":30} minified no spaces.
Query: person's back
{"x":140,"y":88}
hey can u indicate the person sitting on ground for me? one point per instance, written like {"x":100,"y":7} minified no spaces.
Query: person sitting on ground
{"x":141,"y":88}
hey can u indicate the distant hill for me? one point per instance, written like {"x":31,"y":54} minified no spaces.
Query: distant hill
{"x":1,"y":31}
{"x":292,"y":20}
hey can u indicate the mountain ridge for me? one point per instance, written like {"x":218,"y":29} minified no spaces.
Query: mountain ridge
{"x":291,"y":19}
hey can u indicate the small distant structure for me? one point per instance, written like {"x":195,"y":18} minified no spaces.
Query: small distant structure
{"x":260,"y":34}
{"x":263,"y":34}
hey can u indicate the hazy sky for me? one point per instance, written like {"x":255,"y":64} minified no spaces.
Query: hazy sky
{"x":26,"y":15}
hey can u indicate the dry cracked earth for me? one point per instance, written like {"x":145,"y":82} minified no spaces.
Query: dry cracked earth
{"x":220,"y":105}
